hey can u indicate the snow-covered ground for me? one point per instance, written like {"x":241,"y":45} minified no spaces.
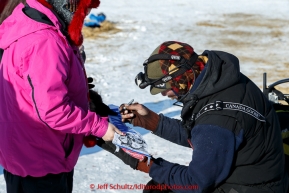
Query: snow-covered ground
{"x":254,"y":31}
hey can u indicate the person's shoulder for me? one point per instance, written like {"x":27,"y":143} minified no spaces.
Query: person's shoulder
{"x":48,"y":36}
{"x":45,"y":42}
{"x":50,"y":33}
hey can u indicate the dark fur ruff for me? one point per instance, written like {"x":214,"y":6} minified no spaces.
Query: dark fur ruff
{"x":96,"y":105}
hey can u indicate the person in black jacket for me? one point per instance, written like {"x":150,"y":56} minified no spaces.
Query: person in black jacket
{"x":231,"y":127}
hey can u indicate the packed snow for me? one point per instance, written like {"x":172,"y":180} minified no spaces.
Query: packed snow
{"x":254,"y":31}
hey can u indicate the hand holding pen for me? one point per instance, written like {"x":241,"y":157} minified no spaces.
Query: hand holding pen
{"x":139,"y":115}
{"x":129,"y":103}
{"x":124,"y":111}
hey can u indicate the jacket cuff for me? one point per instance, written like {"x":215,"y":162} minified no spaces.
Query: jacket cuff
{"x":99,"y":127}
{"x":156,"y":169}
{"x":149,"y":122}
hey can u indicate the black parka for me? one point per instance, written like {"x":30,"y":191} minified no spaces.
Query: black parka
{"x":259,"y":161}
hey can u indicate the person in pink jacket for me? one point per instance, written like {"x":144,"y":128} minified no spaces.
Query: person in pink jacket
{"x":44,"y":101}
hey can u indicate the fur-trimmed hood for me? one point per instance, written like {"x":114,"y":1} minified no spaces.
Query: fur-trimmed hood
{"x":23,"y":23}
{"x":76,"y":24}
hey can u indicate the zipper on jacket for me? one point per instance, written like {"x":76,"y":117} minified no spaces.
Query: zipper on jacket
{"x":70,"y":148}
{"x":68,"y":152}
{"x":1,"y":54}
{"x":33,"y":99}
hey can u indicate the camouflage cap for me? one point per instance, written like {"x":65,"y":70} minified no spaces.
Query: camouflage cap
{"x":157,"y":69}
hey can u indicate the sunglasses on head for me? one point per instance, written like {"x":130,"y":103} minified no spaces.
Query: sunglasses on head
{"x":142,"y":80}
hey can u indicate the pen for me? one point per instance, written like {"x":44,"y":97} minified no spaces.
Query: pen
{"x":129,"y":103}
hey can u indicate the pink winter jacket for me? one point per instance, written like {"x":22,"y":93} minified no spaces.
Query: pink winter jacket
{"x":43,"y":97}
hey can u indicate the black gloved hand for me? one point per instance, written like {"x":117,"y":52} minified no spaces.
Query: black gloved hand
{"x":110,"y":147}
{"x":89,"y":81}
{"x":96,"y":105}
{"x":91,"y":141}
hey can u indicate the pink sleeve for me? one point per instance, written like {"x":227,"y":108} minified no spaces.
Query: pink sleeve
{"x":48,"y":69}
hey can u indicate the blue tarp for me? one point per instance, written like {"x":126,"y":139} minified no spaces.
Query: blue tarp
{"x":95,"y":20}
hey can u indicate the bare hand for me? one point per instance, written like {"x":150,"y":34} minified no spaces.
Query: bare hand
{"x":139,"y":115}
{"x":128,"y":111}
{"x":108,"y":136}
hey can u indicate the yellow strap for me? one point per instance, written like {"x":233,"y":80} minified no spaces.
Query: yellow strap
{"x":286,"y":149}
{"x":285,"y":135}
{"x":204,"y":58}
{"x":282,"y":111}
